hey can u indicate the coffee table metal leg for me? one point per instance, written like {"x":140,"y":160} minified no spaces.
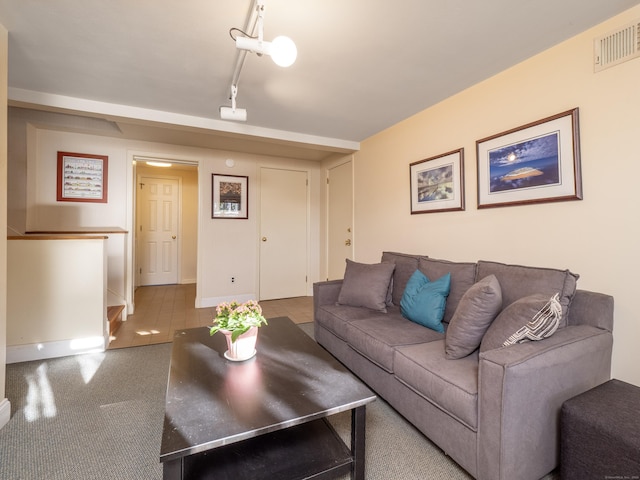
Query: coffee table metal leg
{"x":172,"y":470}
{"x":358,"y":420}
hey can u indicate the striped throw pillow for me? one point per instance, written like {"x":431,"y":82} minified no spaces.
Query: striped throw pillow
{"x":543,"y":324}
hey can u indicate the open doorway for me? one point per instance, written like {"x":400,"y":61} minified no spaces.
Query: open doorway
{"x":179,"y":218}
{"x":166,"y":225}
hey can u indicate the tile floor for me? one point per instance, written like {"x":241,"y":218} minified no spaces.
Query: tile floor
{"x":162,"y":309}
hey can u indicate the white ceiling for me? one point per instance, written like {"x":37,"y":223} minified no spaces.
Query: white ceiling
{"x":160,"y":69}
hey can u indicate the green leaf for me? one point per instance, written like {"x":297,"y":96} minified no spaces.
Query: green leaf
{"x":237,"y":332}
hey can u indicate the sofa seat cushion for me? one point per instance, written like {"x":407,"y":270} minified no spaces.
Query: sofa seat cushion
{"x":335,"y":318}
{"x":376,"y":337}
{"x":451,"y":385}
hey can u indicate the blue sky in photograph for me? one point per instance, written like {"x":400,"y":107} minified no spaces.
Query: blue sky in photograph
{"x":522,"y":152}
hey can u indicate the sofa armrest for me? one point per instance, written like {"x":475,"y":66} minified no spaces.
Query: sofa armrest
{"x":325,"y":293}
{"x":521,"y":390}
{"x":591,"y":308}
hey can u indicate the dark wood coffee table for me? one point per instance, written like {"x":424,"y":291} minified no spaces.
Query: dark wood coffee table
{"x":262,"y":418}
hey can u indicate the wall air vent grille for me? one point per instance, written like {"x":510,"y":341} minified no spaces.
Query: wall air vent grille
{"x":617,"y":47}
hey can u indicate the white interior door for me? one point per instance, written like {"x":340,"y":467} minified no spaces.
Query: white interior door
{"x":283,"y":233}
{"x":340,"y":219}
{"x":158,"y":202}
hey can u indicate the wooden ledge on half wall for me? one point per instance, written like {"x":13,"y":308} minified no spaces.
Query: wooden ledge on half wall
{"x":78,"y":231}
{"x":69,"y":234}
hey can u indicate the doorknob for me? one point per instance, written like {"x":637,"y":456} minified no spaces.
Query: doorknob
{"x":173,"y":236}
{"x":264,"y":239}
{"x":347,"y":242}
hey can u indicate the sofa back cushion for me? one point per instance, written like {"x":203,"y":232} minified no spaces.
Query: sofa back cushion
{"x":519,"y":281}
{"x":463,"y":276}
{"x":405,"y":264}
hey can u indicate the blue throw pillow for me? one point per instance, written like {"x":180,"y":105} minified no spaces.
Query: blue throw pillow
{"x":423,"y":301}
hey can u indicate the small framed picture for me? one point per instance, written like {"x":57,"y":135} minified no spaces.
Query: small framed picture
{"x":229,"y":196}
{"x":82,"y":177}
{"x":535,"y":163}
{"x":437,"y":183}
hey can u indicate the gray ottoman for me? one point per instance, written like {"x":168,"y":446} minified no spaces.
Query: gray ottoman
{"x":600,"y":433}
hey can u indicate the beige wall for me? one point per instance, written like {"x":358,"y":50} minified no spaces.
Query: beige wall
{"x":230,"y":248}
{"x":4,"y":404}
{"x":44,"y":212}
{"x":56,"y":297}
{"x":597,"y":237}
{"x":225,"y":248}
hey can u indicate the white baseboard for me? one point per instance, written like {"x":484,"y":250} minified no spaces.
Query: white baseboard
{"x":41,"y":351}
{"x":5,"y":412}
{"x":213,"y":301}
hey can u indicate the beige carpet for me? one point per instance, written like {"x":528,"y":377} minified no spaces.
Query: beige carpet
{"x":99,"y":416}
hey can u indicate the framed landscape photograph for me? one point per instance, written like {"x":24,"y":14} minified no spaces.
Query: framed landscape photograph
{"x":538,"y":162}
{"x":229,"y":196}
{"x":82,"y":177}
{"x":437,"y":183}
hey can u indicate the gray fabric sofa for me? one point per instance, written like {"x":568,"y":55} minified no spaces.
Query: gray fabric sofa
{"x":495,"y":411}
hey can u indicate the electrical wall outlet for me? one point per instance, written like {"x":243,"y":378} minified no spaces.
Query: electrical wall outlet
{"x":233,"y":279}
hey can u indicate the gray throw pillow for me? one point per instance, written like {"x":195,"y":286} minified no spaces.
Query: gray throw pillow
{"x":478,"y":307}
{"x":366,"y":285}
{"x":533,"y":317}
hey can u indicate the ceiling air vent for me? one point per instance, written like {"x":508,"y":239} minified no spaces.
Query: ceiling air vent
{"x":617,"y":47}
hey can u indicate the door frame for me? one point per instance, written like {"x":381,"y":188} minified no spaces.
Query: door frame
{"x":132,"y":261}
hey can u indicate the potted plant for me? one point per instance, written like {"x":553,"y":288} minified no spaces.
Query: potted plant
{"x":239,"y":323}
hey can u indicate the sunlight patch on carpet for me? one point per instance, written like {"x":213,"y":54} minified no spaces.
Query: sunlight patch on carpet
{"x":89,"y":365}
{"x":40,"y":400}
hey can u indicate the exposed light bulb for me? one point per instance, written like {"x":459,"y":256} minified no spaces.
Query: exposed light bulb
{"x":283,"y":51}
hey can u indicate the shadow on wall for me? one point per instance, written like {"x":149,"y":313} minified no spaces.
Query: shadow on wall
{"x":67,"y":217}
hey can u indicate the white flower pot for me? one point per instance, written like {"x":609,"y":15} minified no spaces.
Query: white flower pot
{"x":244,"y":347}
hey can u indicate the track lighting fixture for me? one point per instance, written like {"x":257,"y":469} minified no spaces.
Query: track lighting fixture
{"x":282,"y":51}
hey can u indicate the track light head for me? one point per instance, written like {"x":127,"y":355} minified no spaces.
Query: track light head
{"x":233,"y":113}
